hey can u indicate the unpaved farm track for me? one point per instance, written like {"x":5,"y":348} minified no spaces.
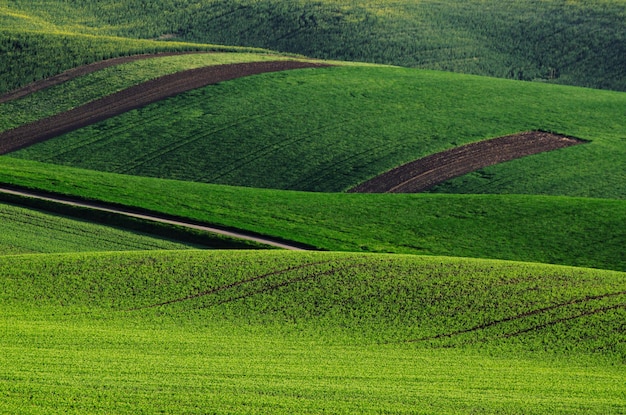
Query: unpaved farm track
{"x":136,"y":97}
{"x":119,"y":210}
{"x":426,"y":172}
{"x":80,"y":71}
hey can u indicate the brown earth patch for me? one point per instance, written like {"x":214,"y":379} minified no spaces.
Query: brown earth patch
{"x":136,"y":97}
{"x":421,"y":174}
{"x":80,"y":71}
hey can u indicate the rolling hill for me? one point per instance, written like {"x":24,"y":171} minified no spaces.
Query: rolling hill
{"x":329,"y":129}
{"x":277,"y":332}
{"x":505,"y":296}
{"x":572,"y":42}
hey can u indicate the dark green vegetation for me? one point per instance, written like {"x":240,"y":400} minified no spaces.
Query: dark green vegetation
{"x":330,"y":129}
{"x":574,"y":42}
{"x":31,"y":231}
{"x":563,"y":230}
{"x":87,"y":88}
{"x":277,"y":332}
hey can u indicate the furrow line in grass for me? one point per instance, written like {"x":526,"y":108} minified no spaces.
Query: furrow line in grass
{"x":229,"y":286}
{"x":564,"y":319}
{"x":518,"y":316}
{"x":189,"y":140}
{"x":99,"y":138}
{"x":282,"y":284}
{"x":311,"y":180}
{"x":260,"y":152}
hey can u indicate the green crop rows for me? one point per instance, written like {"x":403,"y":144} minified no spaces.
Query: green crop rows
{"x":84,"y":89}
{"x":149,"y":326}
{"x":30,"y":231}
{"x":573,"y":231}
{"x":234,"y":332}
{"x":330,"y":129}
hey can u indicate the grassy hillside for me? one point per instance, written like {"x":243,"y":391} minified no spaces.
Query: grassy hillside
{"x":572,"y":42}
{"x":330,"y":129}
{"x":31,"y":231}
{"x":573,"y":231}
{"x":83,"y":89}
{"x":286,"y":333}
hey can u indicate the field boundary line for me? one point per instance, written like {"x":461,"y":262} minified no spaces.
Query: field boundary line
{"x":82,"y":70}
{"x":153,"y":217}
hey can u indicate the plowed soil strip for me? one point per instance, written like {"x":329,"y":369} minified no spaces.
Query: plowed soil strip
{"x":136,"y":97}
{"x":426,"y":172}
{"x":80,"y":71}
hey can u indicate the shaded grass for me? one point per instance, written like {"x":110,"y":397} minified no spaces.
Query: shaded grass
{"x":573,"y":231}
{"x":29,"y":231}
{"x":554,"y":41}
{"x":330,"y":129}
{"x":305,"y":333}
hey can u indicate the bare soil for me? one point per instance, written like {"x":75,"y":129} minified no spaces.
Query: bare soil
{"x":136,"y":97}
{"x":421,"y":174}
{"x":80,"y":71}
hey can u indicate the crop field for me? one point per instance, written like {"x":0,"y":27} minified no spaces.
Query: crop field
{"x":563,"y":230}
{"x":277,"y":332}
{"x":136,"y":97}
{"x":31,"y":231}
{"x":447,"y":180}
{"x":571,"y":42}
{"x":329,"y":129}
{"x":76,"y":87}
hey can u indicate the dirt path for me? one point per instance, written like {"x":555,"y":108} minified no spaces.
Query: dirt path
{"x":136,"y":97}
{"x":80,"y":71}
{"x":426,"y":172}
{"x":104,"y":207}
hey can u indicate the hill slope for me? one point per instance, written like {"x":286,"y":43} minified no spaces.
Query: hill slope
{"x":329,"y":129}
{"x":573,"y":231}
{"x":277,"y":332}
{"x":572,"y":42}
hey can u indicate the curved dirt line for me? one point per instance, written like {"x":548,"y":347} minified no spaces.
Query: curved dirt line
{"x":228,"y":286}
{"x":419,"y":175}
{"x":519,"y":316}
{"x":80,"y":71}
{"x":136,"y":97}
{"x":104,"y":207}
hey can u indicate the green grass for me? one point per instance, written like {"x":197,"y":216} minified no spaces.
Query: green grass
{"x":25,"y":230}
{"x":84,"y":89}
{"x":563,"y":230}
{"x":30,"y":55}
{"x":307,"y":333}
{"x":573,"y":42}
{"x":330,"y":129}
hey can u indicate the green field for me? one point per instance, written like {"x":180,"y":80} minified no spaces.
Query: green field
{"x":562,"y":230}
{"x":277,"y":332}
{"x":330,"y":129}
{"x":84,"y":89}
{"x":507,"y":295}
{"x":32,"y":231}
{"x":572,"y":42}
